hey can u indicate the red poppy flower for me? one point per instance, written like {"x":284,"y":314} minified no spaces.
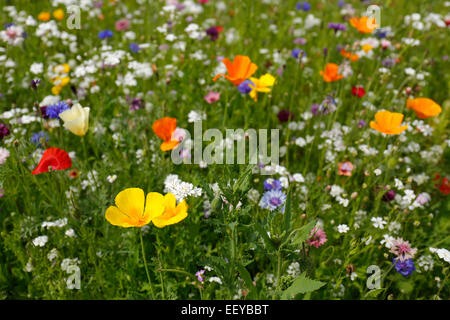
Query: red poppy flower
{"x":53,"y":159}
{"x":358,"y":91}
{"x":444,"y":185}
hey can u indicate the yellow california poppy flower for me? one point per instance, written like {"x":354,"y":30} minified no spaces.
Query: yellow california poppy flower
{"x":388,"y":122}
{"x":76,"y":119}
{"x":261,"y":85}
{"x":172,"y":213}
{"x":133,"y":210}
{"x":424,"y":107}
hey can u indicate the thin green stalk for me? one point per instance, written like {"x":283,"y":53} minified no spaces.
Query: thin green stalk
{"x":145,"y":264}
{"x":160,"y":266}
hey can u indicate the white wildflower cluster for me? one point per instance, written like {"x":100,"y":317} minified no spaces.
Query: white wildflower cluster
{"x":40,"y":241}
{"x":425,"y":263}
{"x":196,"y":115}
{"x":433,"y":154}
{"x":180,"y":189}
{"x":406,"y":200}
{"x":294,"y":269}
{"x":90,"y":181}
{"x":51,"y":224}
{"x":416,"y":21}
{"x":423,"y":128}
{"x":442,"y":253}
{"x":336,"y":192}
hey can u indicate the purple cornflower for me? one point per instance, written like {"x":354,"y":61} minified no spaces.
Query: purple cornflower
{"x":136,"y":104}
{"x":337,"y":27}
{"x":285,"y":115}
{"x":35,"y":83}
{"x":305,"y":6}
{"x":300,"y":41}
{"x":405,"y":268}
{"x":105,"y":34}
{"x":199,"y":275}
{"x":315,"y":109}
{"x":244,"y":87}
{"x":38,"y":137}
{"x":272,"y":200}
{"x":296,"y":53}
{"x":272,"y":184}
{"x":341,"y":3}
{"x":361,"y":124}
{"x":134,"y":47}
{"x":54,"y":110}
{"x":213,"y":33}
{"x":388,"y":196}
{"x":388,"y":62}
{"x":4,"y":130}
{"x":327,"y":106}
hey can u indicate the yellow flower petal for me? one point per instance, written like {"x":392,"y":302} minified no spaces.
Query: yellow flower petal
{"x":118,"y":218}
{"x":131,"y":202}
{"x":154,"y":205}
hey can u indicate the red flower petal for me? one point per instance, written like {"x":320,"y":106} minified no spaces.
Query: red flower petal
{"x":53,"y":158}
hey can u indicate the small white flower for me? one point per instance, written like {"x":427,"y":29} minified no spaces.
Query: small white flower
{"x":378,"y":222}
{"x":342,"y":228}
{"x":40,"y":241}
{"x":377,"y":172}
{"x":111,"y":179}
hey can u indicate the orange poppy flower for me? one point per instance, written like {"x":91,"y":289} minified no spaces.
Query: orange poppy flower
{"x":424,"y":107}
{"x":350,"y":56}
{"x":331,"y":73}
{"x":239,"y":70}
{"x":364,"y":24}
{"x":388,"y":122}
{"x":164,"y":128}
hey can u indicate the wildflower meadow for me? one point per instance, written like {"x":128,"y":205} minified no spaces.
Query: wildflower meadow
{"x":224,"y":150}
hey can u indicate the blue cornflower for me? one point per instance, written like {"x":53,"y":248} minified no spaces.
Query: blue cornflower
{"x":273,"y":199}
{"x":134,"y":47}
{"x":272,"y":184}
{"x":38,"y":136}
{"x":388,"y":62}
{"x":244,"y":87}
{"x":54,"y":110}
{"x":7,"y":25}
{"x":296,"y":53}
{"x":341,"y":3}
{"x":305,"y":6}
{"x":105,"y":34}
{"x":405,"y":268}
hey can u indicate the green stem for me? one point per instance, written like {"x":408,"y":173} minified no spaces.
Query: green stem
{"x":145,"y":264}
{"x":278,"y":269}
{"x":160,"y":266}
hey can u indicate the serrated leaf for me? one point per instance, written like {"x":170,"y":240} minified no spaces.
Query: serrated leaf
{"x":303,"y":233}
{"x":263,"y":234}
{"x":301,"y":284}
{"x":372,"y":294}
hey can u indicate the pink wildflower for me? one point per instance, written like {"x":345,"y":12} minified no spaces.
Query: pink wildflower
{"x":402,"y":249}
{"x":212,"y":97}
{"x":122,"y":24}
{"x":318,"y":237}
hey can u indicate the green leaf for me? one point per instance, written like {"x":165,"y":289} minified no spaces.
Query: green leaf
{"x":245,"y":275}
{"x":263,"y":234}
{"x":303,"y":233}
{"x":372,"y":294}
{"x":288,"y":214}
{"x":301,"y":284}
